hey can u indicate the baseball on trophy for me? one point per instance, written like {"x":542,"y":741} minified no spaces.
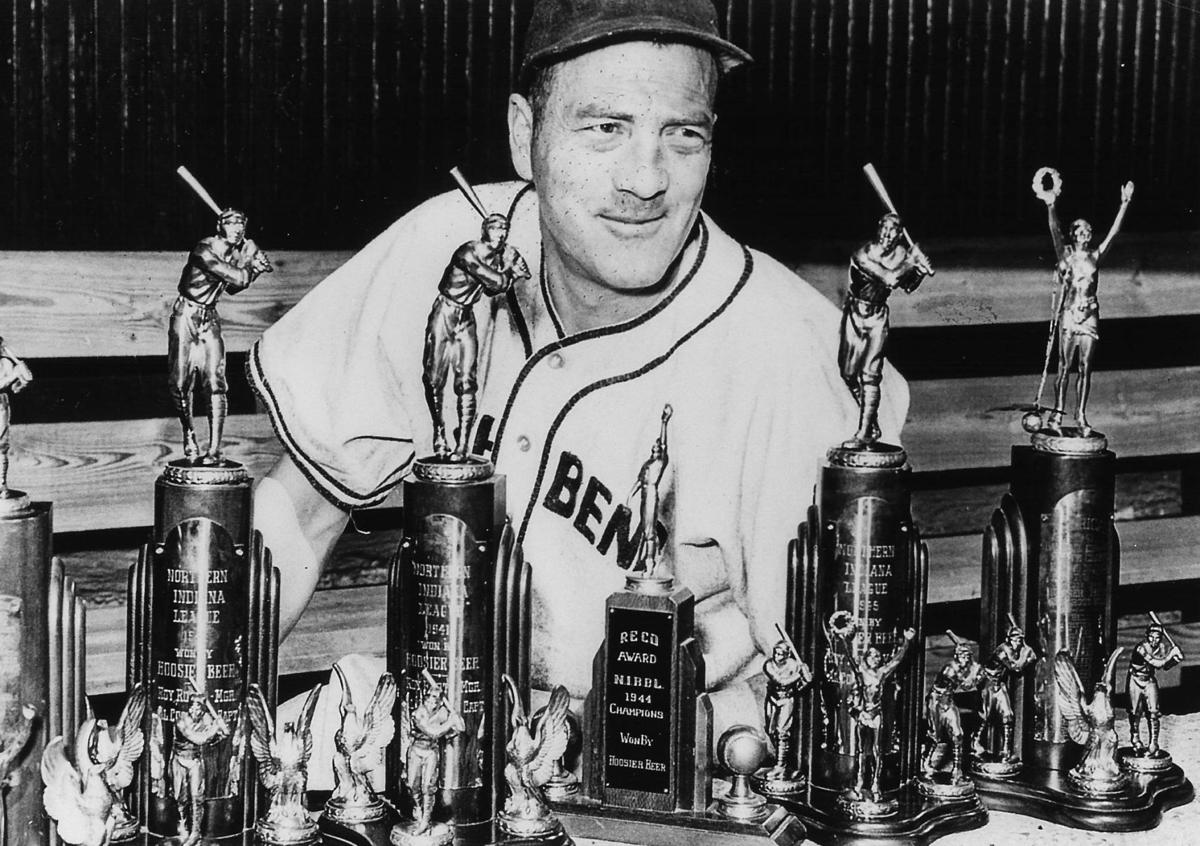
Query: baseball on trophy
{"x":1031,"y":421}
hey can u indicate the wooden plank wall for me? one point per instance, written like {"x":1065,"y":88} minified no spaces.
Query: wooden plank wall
{"x":110,"y":308}
{"x":325,"y":117}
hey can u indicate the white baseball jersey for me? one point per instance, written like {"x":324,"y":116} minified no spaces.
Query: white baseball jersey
{"x":744,"y":351}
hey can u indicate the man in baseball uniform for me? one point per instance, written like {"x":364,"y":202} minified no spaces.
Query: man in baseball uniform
{"x":637,"y":300}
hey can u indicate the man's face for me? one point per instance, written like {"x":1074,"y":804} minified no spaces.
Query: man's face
{"x":233,"y":231}
{"x":495,"y":232}
{"x":1154,"y":636}
{"x":872,"y":658}
{"x":781,"y":653}
{"x":620,"y":157}
{"x":962,"y":657}
{"x":1016,"y":640}
{"x":1081,"y":233}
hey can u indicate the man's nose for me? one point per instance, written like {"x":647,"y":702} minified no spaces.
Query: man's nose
{"x":643,"y":173}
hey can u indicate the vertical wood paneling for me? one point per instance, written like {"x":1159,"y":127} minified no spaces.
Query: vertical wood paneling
{"x":326,"y":118}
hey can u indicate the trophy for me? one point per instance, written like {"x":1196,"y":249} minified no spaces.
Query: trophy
{"x":1157,"y":652}
{"x":1091,"y":723}
{"x":85,"y":792}
{"x":1051,"y":560}
{"x":359,"y":744}
{"x":458,"y":601}
{"x":203,"y":596}
{"x":788,"y":678}
{"x":282,"y":753}
{"x":533,"y":757}
{"x":563,"y":784}
{"x":42,"y":631}
{"x":858,"y":578}
{"x":942,"y":775}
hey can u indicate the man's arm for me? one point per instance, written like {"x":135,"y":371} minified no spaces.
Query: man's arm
{"x":1055,"y":230}
{"x":228,"y":273}
{"x":898,"y":654}
{"x":875,"y":268}
{"x":493,"y":281}
{"x":300,"y":526}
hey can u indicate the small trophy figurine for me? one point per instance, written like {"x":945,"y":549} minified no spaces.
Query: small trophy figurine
{"x":562,"y":783}
{"x":944,"y":725}
{"x":1091,"y":724}
{"x":282,"y":754}
{"x":225,"y":262}
{"x":431,"y":724}
{"x":997,"y":756}
{"x":892,"y":260}
{"x":87,"y":798}
{"x":486,"y":267}
{"x":532,"y":760}
{"x":871,"y":675}
{"x":646,"y":556}
{"x":1149,"y":656}
{"x":198,"y":731}
{"x":1076,"y":316}
{"x":359,"y":745}
{"x":788,"y":677}
{"x":741,"y":750}
{"x":14,"y":376}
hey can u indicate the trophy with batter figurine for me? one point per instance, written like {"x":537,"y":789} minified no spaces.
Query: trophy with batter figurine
{"x":42,"y":634}
{"x":458,"y":597}
{"x":1051,"y":559}
{"x":203,"y":600}
{"x":858,"y":579}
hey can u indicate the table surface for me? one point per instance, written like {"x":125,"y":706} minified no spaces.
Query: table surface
{"x":1180,"y":736}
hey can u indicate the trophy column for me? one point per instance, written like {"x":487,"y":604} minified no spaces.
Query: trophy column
{"x":42,"y":682}
{"x":203,"y":626}
{"x":441,"y":615}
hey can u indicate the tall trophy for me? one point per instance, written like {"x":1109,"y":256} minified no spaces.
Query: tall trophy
{"x":42,"y":626}
{"x":858,"y":576}
{"x":1051,"y":560}
{"x":203,"y":604}
{"x":459,"y":589}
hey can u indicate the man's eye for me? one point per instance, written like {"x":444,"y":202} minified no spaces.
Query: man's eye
{"x":608,"y":127}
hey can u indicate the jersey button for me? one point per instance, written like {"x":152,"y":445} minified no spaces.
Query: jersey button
{"x":555,"y":361}
{"x":523,"y":444}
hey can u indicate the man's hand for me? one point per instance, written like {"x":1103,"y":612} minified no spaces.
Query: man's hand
{"x":910,"y":633}
{"x":1126,"y":193}
{"x":921,"y":261}
{"x":260,"y":263}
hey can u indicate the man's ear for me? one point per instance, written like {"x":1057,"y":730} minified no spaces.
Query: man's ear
{"x":520,"y":136}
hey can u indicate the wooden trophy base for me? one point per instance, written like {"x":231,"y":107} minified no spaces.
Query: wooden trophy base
{"x":1050,"y":795}
{"x":918,"y":819}
{"x":584,"y":818}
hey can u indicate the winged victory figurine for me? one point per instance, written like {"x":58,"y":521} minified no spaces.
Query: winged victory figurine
{"x":282,"y":753}
{"x":86,"y":797}
{"x":359,"y":745}
{"x":532,"y":759}
{"x":1091,"y":724}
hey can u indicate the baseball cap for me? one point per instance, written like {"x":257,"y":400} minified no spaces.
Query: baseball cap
{"x":559,"y":29}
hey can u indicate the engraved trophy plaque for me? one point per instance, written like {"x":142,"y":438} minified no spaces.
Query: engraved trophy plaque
{"x":42,"y":633}
{"x":1051,"y":559}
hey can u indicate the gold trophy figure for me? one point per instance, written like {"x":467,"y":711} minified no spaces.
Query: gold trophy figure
{"x":226,"y":262}
{"x":1076,"y":316}
{"x":994,"y":745}
{"x":359,"y":745}
{"x":430,"y":726}
{"x":943,"y":724}
{"x":485,"y":267}
{"x":647,"y":555}
{"x":1091,"y":724}
{"x":86,"y":798}
{"x":282,"y":753}
{"x":788,"y":677}
{"x":532,"y":761}
{"x":1157,"y":652}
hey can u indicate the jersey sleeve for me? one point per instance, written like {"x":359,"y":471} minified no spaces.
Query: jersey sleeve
{"x":340,"y":374}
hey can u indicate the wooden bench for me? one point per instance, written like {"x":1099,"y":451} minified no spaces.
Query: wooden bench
{"x":113,"y":307}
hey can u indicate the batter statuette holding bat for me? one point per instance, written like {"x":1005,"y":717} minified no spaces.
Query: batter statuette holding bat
{"x":892,"y":260}
{"x":225,"y":262}
{"x":484,"y":267}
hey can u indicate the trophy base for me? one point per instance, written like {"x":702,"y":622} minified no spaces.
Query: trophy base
{"x":858,"y":808}
{"x":1098,"y":787}
{"x":564,"y":789}
{"x":1069,"y":441}
{"x":515,"y":829}
{"x":942,"y":786}
{"x":438,"y":834}
{"x":374,"y":833}
{"x":588,"y":819}
{"x":1143,"y":762}
{"x":996,"y":769}
{"x":919,"y":820}
{"x":13,"y":502}
{"x":788,"y":784}
{"x":434,"y":468}
{"x":1051,"y":795}
{"x":290,"y":833}
{"x":188,"y":471}
{"x":854,"y":453}
{"x":354,"y":813}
